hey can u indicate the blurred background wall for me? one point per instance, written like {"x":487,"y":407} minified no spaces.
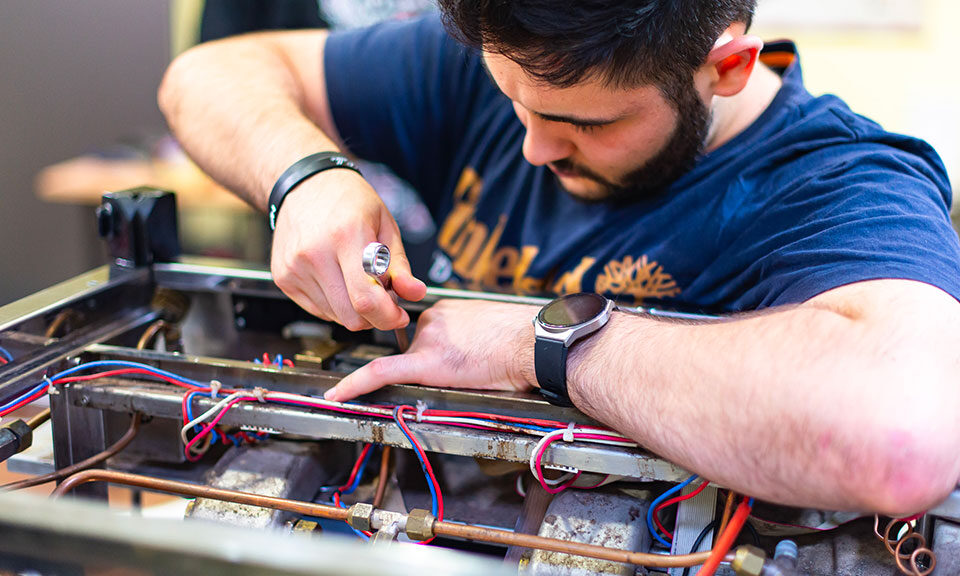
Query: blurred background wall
{"x":892,"y":60}
{"x":74,"y":76}
{"x":81,"y":76}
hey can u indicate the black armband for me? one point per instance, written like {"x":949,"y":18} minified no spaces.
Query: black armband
{"x":300,"y":171}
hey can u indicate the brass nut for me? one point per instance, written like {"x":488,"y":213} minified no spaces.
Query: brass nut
{"x":748,"y":561}
{"x":420,"y":525}
{"x":360,"y":515}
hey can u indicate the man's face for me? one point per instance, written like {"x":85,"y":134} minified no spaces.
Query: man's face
{"x":604,"y":143}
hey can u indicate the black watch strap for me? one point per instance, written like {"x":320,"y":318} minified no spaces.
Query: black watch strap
{"x":551,"y":368}
{"x":300,"y":171}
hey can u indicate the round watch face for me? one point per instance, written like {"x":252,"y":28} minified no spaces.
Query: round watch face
{"x":571,"y":310}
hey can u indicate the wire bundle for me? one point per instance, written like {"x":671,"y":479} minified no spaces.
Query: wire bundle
{"x":200,"y":432}
{"x":569,"y":434}
{"x":548,"y":430}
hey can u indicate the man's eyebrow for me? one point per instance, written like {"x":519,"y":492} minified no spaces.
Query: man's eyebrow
{"x":576,"y":120}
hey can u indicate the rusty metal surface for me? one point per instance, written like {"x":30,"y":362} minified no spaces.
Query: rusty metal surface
{"x":604,"y":518}
{"x":165,"y":402}
{"x":280,"y":469}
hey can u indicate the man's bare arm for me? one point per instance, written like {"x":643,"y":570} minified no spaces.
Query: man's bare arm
{"x":849,"y":401}
{"x":246,"y":109}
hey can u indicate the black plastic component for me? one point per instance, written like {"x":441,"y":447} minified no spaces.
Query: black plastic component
{"x":15,"y":437}
{"x":140,"y":226}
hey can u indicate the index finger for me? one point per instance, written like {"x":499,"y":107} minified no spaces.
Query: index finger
{"x":380,"y":372}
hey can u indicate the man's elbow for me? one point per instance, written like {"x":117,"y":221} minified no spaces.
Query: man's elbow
{"x":913,"y":464}
{"x":175,"y":79}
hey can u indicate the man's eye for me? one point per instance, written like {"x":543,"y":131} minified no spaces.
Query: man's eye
{"x":587,"y":128}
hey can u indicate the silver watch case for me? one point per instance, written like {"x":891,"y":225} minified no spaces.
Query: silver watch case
{"x":571,"y":334}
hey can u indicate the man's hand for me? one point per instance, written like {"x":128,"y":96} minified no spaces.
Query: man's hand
{"x":458,"y":344}
{"x":322,"y":229}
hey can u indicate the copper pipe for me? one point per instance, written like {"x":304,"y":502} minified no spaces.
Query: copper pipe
{"x":62,"y":318}
{"x":324,"y":511}
{"x":98,"y":458}
{"x":384,"y":477}
{"x":152,"y":330}
{"x":508,"y":538}
{"x":39,"y":419}
{"x":200,"y":491}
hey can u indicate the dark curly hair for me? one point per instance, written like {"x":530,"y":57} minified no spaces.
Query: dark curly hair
{"x":625,"y":43}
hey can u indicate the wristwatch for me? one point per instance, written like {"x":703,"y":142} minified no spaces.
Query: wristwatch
{"x":558,"y":325}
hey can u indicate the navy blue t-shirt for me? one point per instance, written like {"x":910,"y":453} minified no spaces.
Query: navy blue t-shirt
{"x":808,"y":198}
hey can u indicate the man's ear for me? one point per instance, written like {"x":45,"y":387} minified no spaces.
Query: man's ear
{"x":732,"y":59}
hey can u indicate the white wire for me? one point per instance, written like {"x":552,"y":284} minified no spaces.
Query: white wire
{"x":547,"y":437}
{"x":550,"y":437}
{"x":209,"y":413}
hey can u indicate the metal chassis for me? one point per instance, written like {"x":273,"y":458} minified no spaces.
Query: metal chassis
{"x":88,"y":416}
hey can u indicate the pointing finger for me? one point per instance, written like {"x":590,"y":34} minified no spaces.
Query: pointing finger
{"x":384,"y":371}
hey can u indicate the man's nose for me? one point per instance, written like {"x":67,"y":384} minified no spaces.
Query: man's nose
{"x":544,"y":142}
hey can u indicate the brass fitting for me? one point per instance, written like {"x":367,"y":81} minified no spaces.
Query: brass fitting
{"x":420,"y":525}
{"x":360,"y":516}
{"x":748,"y":561}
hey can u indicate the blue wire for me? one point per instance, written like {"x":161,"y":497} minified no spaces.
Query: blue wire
{"x":356,"y":480}
{"x":125,"y":364}
{"x":27,"y":394}
{"x":423,"y":466}
{"x":6,"y":354}
{"x":657,"y":501}
{"x":527,"y":426}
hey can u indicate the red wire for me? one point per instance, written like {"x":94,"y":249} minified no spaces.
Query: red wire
{"x":3,"y":361}
{"x":109,"y":373}
{"x":356,"y":467}
{"x":726,"y":540}
{"x":426,"y":462}
{"x":671,"y":502}
{"x":206,"y":429}
{"x":36,"y":396}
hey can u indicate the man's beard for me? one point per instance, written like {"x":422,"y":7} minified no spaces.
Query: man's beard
{"x":675,"y":159}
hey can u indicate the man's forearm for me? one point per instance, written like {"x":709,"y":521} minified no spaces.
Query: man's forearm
{"x":806,"y":406}
{"x":240,"y":110}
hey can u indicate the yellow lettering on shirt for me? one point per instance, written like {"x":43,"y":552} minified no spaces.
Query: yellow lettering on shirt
{"x":483,"y":264}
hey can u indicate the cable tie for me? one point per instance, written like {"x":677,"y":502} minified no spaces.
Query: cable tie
{"x":49,"y":384}
{"x":560,"y":468}
{"x":215,"y":386}
{"x":258,"y":393}
{"x":421,"y":408}
{"x":568,"y":433}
